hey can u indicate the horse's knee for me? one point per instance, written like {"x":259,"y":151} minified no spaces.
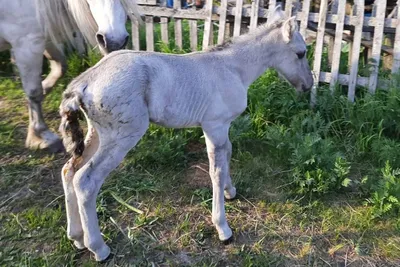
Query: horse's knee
{"x":34,"y":94}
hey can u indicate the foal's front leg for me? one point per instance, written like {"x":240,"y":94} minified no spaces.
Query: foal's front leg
{"x":217,"y":149}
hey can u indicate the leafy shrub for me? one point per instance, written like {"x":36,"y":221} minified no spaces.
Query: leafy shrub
{"x":385,"y":198}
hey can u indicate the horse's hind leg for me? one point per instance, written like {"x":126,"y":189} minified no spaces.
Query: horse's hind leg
{"x":74,"y":228}
{"x":29,"y":58}
{"x":58,"y":66}
{"x":88,"y":180}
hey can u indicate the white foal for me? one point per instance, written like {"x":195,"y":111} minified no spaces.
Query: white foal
{"x":32,"y":28}
{"x":127,"y":90}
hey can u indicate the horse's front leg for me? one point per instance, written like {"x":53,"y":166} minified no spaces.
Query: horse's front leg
{"x":58,"y":66}
{"x":29,"y":58}
{"x":217,"y":149}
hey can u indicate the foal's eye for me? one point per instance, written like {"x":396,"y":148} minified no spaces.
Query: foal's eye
{"x":300,"y":55}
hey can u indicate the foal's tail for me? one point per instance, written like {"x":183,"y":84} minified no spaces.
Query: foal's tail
{"x":70,"y":112}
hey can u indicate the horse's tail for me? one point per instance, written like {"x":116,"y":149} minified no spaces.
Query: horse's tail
{"x":70,"y":112}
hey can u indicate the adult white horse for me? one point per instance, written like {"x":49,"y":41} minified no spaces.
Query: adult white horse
{"x":127,"y":90}
{"x":35,"y":27}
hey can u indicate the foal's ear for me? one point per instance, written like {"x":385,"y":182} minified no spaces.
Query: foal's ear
{"x":288,"y":28}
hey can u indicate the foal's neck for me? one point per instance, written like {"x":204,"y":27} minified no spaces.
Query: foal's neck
{"x":251,"y":55}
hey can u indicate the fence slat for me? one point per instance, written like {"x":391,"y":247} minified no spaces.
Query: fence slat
{"x":178,"y":33}
{"x":355,"y":51}
{"x":255,"y":4}
{"x":304,"y":18}
{"x":318,"y":48}
{"x":396,"y":48}
{"x":377,"y":44}
{"x":164,"y":29}
{"x":149,"y":33}
{"x":135,"y":35}
{"x":193,"y":34}
{"x":222,"y":21}
{"x":337,"y":47}
{"x":207,"y":24}
{"x":238,"y":18}
{"x":271,"y":7}
{"x":288,"y":8}
{"x":178,"y":25}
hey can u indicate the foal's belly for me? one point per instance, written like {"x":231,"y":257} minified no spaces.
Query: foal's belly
{"x":4,"y":45}
{"x":178,"y":113}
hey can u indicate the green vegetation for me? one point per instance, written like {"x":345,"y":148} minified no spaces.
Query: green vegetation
{"x":316,"y":187}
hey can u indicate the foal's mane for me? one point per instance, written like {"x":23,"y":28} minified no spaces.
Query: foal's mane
{"x":261,"y":31}
{"x":61,"y":18}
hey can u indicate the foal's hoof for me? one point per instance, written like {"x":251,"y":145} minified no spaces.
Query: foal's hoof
{"x":227,"y":241}
{"x":79,"y":245}
{"x":109,"y":257}
{"x":103,"y":254}
{"x":230,"y":193}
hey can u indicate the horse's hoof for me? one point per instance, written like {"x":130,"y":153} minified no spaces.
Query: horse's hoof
{"x":46,"y":140}
{"x":56,"y":147}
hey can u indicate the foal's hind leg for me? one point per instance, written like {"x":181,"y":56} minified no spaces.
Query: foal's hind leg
{"x":74,"y":228}
{"x":90,"y":177}
{"x":58,"y":66}
{"x":217,"y":149}
{"x":230,"y":190}
{"x":29,"y":58}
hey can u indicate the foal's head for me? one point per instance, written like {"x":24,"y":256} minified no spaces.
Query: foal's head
{"x":290,"y":61}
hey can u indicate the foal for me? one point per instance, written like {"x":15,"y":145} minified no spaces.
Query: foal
{"x":127,"y":90}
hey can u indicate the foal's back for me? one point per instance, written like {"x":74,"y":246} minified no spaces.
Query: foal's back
{"x":179,"y":90}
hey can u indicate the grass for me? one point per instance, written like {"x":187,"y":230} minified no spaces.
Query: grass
{"x":315,"y":187}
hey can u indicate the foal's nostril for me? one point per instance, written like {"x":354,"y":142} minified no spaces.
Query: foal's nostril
{"x":101,"y":40}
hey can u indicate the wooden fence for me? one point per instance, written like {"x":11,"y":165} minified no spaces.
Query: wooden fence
{"x":333,"y":24}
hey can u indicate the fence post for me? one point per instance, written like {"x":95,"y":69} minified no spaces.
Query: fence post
{"x":164,"y":30}
{"x":238,"y":18}
{"x":255,"y":4}
{"x":178,"y":26}
{"x":222,"y":21}
{"x":337,"y":47}
{"x":396,"y":48}
{"x":318,"y":49}
{"x":207,"y":24}
{"x":149,"y":33}
{"x":135,"y":35}
{"x":304,"y":18}
{"x":193,"y":34}
{"x":356,"y":47}
{"x":377,"y":43}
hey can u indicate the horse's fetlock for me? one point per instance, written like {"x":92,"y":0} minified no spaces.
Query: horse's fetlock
{"x":35,"y":95}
